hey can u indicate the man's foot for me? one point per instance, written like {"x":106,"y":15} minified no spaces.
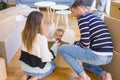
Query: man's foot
{"x":24,"y":77}
{"x":106,"y":76}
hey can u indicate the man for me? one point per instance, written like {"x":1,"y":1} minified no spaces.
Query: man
{"x":94,"y":47}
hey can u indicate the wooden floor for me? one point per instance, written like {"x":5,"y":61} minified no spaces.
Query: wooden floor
{"x":14,"y":71}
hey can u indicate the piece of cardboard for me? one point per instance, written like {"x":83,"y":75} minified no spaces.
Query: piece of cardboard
{"x":114,"y":66}
{"x":68,"y":36}
{"x":114,"y":29}
{"x":3,"y":74}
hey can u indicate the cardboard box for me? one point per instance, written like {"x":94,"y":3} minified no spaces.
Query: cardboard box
{"x":3,"y":74}
{"x":115,"y":9}
{"x":114,"y":66}
{"x":59,"y":59}
{"x":7,"y":25}
{"x":114,"y":29}
{"x":10,"y":37}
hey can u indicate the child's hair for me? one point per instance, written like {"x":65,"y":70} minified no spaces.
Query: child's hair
{"x":61,"y":30}
{"x":32,"y":28}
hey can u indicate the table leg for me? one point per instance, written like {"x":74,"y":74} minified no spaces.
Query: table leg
{"x":52,"y":17}
{"x":66,"y":20}
{"x":57,"y":20}
{"x":48,"y":10}
{"x":38,"y":8}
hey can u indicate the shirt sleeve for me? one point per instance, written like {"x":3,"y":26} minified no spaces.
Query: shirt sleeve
{"x":46,"y":55}
{"x":84,"y":32}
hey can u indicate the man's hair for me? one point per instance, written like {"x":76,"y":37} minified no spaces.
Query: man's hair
{"x":78,"y":3}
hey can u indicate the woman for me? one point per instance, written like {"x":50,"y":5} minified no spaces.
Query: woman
{"x":36,"y":58}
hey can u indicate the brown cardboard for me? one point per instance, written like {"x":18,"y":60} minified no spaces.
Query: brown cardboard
{"x":59,"y":59}
{"x":115,"y":9}
{"x":114,"y":29}
{"x":3,"y":74}
{"x":116,"y":3}
{"x":7,"y":25}
{"x":114,"y":66}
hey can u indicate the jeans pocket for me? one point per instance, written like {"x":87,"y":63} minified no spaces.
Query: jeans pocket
{"x":109,"y":59}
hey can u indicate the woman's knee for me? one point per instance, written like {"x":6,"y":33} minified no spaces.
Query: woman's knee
{"x":53,"y":64}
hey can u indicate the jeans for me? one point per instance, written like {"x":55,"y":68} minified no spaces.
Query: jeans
{"x":88,"y":3}
{"x":42,"y":75}
{"x":91,"y":61}
{"x":100,"y":6}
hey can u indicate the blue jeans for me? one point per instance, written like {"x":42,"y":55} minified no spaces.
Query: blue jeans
{"x":42,"y":75}
{"x":89,"y":2}
{"x":91,"y":61}
{"x":100,"y":7}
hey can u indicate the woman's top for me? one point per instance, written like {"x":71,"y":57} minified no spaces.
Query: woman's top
{"x":38,"y":61}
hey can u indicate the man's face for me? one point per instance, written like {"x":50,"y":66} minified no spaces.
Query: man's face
{"x":75,"y":12}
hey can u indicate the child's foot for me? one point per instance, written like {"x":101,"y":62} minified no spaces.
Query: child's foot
{"x":24,"y":77}
{"x":106,"y":76}
{"x":34,"y":78}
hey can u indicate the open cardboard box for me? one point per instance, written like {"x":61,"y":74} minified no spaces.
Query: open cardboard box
{"x":68,"y":36}
{"x":3,"y":74}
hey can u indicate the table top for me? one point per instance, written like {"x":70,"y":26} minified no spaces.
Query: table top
{"x":45,"y":3}
{"x":63,"y":12}
{"x":59,"y":7}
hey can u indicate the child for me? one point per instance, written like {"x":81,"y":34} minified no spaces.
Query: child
{"x":58,"y":34}
{"x":64,"y":37}
{"x":36,"y":58}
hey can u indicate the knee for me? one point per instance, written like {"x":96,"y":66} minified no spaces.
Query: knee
{"x":53,"y":64}
{"x":61,"y":49}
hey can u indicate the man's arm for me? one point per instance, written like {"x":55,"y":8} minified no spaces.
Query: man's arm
{"x":84,"y":32}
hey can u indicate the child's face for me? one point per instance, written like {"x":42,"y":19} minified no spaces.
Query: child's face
{"x":58,"y":35}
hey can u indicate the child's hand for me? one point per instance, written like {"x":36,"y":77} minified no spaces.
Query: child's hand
{"x":58,"y":42}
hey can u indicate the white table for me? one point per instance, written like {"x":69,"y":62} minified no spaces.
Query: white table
{"x":63,"y":13}
{"x":58,"y":7}
{"x":45,"y":4}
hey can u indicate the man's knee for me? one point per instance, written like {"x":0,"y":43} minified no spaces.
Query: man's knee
{"x":61,"y":49}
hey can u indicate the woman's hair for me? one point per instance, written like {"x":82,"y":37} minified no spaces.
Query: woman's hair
{"x":78,"y":3}
{"x":32,"y":28}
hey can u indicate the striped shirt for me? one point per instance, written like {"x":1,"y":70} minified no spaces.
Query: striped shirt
{"x":94,"y":33}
